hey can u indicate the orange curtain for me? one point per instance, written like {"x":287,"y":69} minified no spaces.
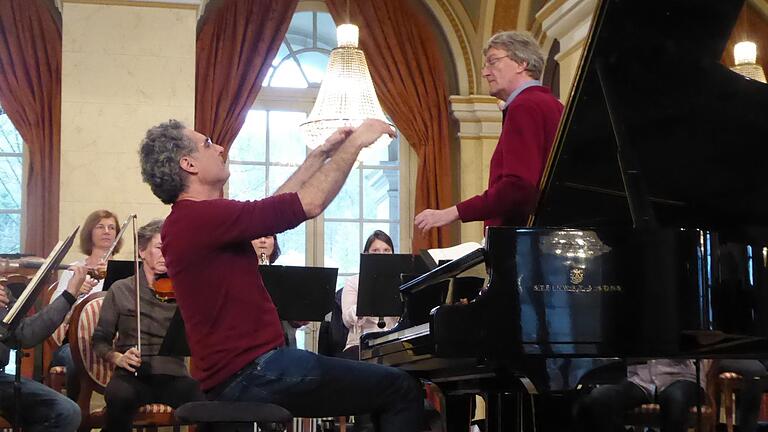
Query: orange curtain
{"x":30,"y":92}
{"x":409,"y":76}
{"x":235,"y":46}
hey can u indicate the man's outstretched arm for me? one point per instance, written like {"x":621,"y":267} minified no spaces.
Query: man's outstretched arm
{"x":315,"y":160}
{"x":322,"y":187}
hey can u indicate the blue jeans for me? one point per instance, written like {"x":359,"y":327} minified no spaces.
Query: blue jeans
{"x":42,"y":408}
{"x":311,"y":385}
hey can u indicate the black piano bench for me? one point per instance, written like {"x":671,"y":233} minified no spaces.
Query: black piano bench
{"x":235,"y":416}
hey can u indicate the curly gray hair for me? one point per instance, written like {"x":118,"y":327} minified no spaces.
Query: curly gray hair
{"x":146,"y":232}
{"x":520,"y":47}
{"x":160,"y":152}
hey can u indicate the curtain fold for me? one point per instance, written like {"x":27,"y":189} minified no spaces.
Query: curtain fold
{"x":236,"y":43}
{"x":30,"y":92}
{"x":410,"y":81}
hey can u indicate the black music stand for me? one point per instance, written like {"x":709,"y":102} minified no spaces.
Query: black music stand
{"x":175,"y":340}
{"x":116,"y":270}
{"x":378,"y":290}
{"x":300,"y":293}
{"x":23,"y":304}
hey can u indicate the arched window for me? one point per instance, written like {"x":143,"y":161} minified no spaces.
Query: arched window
{"x":11,"y":175}
{"x":269,"y":147}
{"x":303,"y":55}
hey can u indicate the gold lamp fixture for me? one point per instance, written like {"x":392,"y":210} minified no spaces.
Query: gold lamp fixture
{"x":745,"y":60}
{"x":346,"y":96}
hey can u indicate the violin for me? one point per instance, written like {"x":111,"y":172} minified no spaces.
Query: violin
{"x":162,"y":287}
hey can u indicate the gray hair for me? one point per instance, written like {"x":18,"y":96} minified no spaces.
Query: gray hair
{"x":520,"y":47}
{"x":160,"y":152}
{"x":146,"y":232}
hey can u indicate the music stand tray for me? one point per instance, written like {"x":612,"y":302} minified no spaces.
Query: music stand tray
{"x":300,"y":293}
{"x":175,"y":341}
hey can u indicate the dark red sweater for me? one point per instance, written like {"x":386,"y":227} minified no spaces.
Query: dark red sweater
{"x":229,"y":316}
{"x":529,"y":129}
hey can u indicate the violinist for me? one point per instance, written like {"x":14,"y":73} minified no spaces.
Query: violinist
{"x":99,"y":231}
{"x":97,"y":234}
{"x":142,"y":377}
{"x":42,"y":408}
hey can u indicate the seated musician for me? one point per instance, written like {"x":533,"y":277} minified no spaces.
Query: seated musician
{"x":96,"y":237}
{"x":232,"y":325}
{"x":378,"y":243}
{"x":160,"y":379}
{"x":513,"y":67}
{"x":670,"y":383}
{"x":268,"y":250}
{"x":42,"y":408}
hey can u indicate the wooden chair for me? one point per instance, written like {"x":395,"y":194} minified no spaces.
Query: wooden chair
{"x":55,"y":377}
{"x":648,"y":415}
{"x":95,"y":373}
{"x":728,"y":383}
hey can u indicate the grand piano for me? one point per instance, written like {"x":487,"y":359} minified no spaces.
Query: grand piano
{"x":650,"y":238}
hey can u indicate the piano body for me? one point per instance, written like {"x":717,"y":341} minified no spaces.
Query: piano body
{"x":649,"y":239}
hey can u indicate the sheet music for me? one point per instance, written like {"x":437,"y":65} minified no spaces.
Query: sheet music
{"x":453,"y":252}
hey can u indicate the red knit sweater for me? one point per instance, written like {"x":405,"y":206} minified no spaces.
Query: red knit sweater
{"x":229,"y":316}
{"x":529,"y":129}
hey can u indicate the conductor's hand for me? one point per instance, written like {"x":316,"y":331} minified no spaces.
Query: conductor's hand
{"x":370,"y":130}
{"x":334,"y":141}
{"x":429,"y":218}
{"x":4,"y":299}
{"x":130,"y":360}
{"x":79,"y":275}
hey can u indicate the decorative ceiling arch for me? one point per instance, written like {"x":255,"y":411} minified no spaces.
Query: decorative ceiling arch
{"x":451,"y":16}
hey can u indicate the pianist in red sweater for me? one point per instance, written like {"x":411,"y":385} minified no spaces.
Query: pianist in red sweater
{"x":232,"y":326}
{"x":513,"y":66}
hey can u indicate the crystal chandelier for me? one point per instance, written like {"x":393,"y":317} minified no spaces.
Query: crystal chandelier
{"x":745,"y":59}
{"x":346,"y":96}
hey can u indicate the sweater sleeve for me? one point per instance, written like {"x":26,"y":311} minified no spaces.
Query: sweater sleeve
{"x":521,"y":158}
{"x":229,"y":221}
{"x":34,"y":329}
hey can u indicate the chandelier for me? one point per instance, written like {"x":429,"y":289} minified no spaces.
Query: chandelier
{"x":745,"y":60}
{"x":346,"y":96}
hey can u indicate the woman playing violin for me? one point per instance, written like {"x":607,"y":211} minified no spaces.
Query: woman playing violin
{"x":140,"y":377}
{"x":96,"y":237}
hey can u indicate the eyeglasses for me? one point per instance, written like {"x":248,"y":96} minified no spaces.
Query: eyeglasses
{"x":493,"y":60}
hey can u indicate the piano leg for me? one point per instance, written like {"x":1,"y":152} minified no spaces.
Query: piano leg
{"x":458,"y":412}
{"x":511,"y":412}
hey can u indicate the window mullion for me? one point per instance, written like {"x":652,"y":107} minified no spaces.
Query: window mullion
{"x":267,"y":159}
{"x":361,"y":205}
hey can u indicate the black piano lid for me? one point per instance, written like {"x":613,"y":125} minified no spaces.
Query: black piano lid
{"x":697,"y":129}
